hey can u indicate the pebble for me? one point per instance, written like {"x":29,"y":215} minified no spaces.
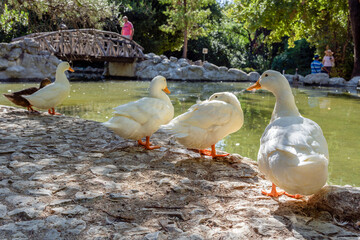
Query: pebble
{"x":3,"y":211}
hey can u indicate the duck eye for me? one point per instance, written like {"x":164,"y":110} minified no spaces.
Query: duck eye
{"x":215,"y":96}
{"x":266,"y":75}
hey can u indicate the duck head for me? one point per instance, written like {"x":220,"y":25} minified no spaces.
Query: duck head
{"x":225,"y":97}
{"x":45,"y":82}
{"x":159,"y":84}
{"x":63,"y":66}
{"x":272,"y":81}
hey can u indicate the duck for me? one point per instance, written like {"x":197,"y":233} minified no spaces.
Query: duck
{"x":140,"y":119}
{"x":207,"y":122}
{"x":17,"y":99}
{"x":293,"y":151}
{"x":53,"y":94}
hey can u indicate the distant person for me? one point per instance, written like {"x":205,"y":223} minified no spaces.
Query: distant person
{"x":316,"y":65}
{"x":128,"y":29}
{"x":328,"y":61}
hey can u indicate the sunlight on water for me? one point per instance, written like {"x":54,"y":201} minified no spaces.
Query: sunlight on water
{"x":333,"y":109}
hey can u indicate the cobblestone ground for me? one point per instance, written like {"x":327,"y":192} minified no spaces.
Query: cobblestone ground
{"x":69,"y":178}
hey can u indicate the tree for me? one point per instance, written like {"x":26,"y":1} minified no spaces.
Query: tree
{"x":354,"y":6}
{"x":188,"y":16}
{"x":48,"y":15}
{"x":323,"y":23}
{"x":147,"y":16}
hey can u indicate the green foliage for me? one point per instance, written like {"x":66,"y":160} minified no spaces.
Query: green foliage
{"x":12,"y":22}
{"x":300,"y":56}
{"x":323,"y":23}
{"x":189,"y":17}
{"x":42,"y":16}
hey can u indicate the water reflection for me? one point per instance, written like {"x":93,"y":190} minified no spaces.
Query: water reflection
{"x":335,"y":110}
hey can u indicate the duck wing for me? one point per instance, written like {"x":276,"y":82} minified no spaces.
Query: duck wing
{"x":144,"y":110}
{"x":206,"y":116}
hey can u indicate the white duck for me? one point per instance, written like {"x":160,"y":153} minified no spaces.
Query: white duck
{"x":143,"y":117}
{"x":53,"y":94}
{"x":293,"y":152}
{"x":206,"y":123}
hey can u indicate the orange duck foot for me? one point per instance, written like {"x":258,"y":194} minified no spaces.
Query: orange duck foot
{"x":212,"y":152}
{"x":52,"y":112}
{"x":275,"y":193}
{"x":147,"y":144}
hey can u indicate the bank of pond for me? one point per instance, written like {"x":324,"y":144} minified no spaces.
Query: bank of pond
{"x":334,"y":109}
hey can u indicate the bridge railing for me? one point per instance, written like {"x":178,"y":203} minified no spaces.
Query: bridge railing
{"x":85,"y":44}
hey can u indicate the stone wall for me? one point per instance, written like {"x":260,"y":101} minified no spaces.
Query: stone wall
{"x":183,"y":69}
{"x":21,"y":60}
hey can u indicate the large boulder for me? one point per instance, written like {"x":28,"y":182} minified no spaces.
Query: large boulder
{"x":14,"y":54}
{"x":337,"y":81}
{"x":317,"y":78}
{"x":194,"y":72}
{"x":354,"y":81}
{"x":16,"y":72}
{"x":236,"y":74}
{"x":253,"y":76}
{"x":341,"y":201}
{"x":3,"y":64}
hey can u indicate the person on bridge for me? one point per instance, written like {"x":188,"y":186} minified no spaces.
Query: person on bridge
{"x":128,"y":29}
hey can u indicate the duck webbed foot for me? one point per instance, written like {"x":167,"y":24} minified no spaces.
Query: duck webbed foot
{"x":275,"y":193}
{"x":212,"y":152}
{"x":52,"y":112}
{"x":147,"y":144}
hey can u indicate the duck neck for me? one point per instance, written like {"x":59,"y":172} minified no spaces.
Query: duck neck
{"x":285,"y":105}
{"x":60,"y":77}
{"x":156,"y":93}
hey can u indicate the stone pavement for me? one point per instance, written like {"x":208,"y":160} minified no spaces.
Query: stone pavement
{"x":69,"y":178}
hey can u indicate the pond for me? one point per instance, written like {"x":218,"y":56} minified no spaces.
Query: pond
{"x":336,"y":111}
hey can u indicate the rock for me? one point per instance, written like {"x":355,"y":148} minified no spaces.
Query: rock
{"x":103,"y":170}
{"x":318,"y":78}
{"x":155,"y":236}
{"x":3,"y":64}
{"x":31,"y":226}
{"x":355,"y":81}
{"x":72,"y":225}
{"x":236,"y":74}
{"x":253,"y":76}
{"x":342,"y":202}
{"x":337,"y":81}
{"x":5,"y":171}
{"x":76,"y":210}
{"x":88,"y":195}
{"x":173,"y":59}
{"x":3,"y":211}
{"x":14,"y":54}
{"x":15,"y":71}
{"x":5,"y":192}
{"x":25,"y":213}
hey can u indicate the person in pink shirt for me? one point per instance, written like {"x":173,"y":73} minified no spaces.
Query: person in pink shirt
{"x":328,"y":61}
{"x":128,"y":29}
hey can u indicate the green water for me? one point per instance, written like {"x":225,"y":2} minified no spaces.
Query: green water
{"x":336,"y":111}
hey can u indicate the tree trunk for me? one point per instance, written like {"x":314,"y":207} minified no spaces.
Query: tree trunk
{"x":185,"y":32}
{"x":185,"y":44}
{"x":354,"y":6}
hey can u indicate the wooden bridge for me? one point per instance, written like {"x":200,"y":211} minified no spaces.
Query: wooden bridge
{"x":88,"y":45}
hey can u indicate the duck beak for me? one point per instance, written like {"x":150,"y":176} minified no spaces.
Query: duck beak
{"x":166,"y":90}
{"x":256,"y":86}
{"x":71,"y":70}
